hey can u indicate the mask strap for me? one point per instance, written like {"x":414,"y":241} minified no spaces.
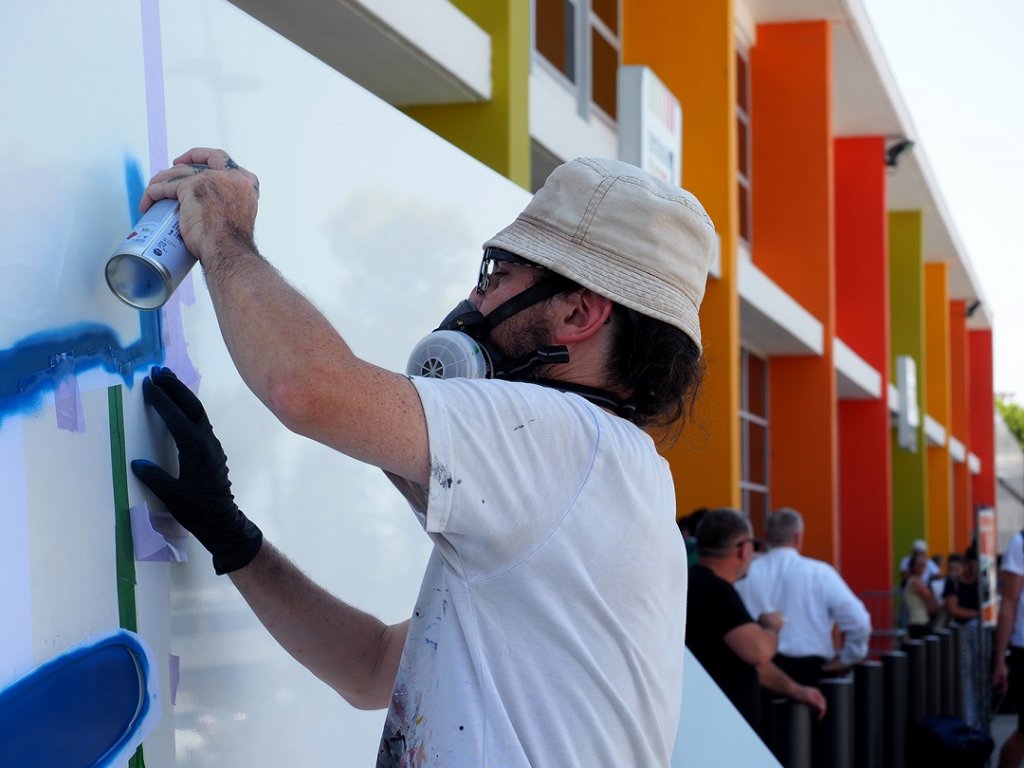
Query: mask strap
{"x":599,"y":397}
{"x":522,"y":300}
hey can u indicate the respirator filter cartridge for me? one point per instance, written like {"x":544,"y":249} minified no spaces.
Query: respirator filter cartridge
{"x":449,"y":355}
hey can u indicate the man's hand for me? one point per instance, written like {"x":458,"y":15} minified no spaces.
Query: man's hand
{"x":814,"y":698}
{"x":200,"y":497}
{"x":835,"y":667}
{"x":771,"y":621}
{"x":1000,"y":674}
{"x":218,"y":201}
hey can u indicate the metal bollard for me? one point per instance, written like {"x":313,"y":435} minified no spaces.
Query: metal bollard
{"x":916,"y":686}
{"x":932,"y":676}
{"x":791,"y":733}
{"x":894,"y":719}
{"x":948,"y":683}
{"x":833,"y":740}
{"x":868,"y":714}
{"x":958,"y":683}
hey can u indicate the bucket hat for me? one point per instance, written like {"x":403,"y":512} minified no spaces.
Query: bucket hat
{"x":623,"y":233}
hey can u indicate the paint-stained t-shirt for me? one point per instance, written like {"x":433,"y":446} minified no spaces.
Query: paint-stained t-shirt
{"x":549,"y":625}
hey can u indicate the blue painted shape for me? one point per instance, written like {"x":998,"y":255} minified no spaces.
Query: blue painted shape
{"x":34,"y":365}
{"x":90,"y":706}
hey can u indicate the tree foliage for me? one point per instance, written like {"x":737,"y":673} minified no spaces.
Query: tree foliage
{"x":1013,"y":415}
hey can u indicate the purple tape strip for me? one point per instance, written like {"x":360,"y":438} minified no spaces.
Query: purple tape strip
{"x":174,"y":670}
{"x":151,"y":544}
{"x":68,"y":400}
{"x":153,"y":67}
{"x":176,"y":352}
{"x":175,"y":347}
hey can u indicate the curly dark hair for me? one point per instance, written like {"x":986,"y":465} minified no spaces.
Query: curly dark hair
{"x":660,"y":364}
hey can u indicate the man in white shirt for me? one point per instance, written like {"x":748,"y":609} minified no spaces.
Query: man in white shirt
{"x":812,"y":597}
{"x":1009,"y":672}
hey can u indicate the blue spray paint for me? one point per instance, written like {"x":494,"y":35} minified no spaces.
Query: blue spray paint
{"x":89,"y":706}
{"x":33,"y":366}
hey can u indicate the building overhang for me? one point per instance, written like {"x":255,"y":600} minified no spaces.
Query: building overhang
{"x":856,"y":378}
{"x":957,"y":450}
{"x":866,"y":102}
{"x":407,"y":52}
{"x":771,"y":321}
{"x":934,"y":432}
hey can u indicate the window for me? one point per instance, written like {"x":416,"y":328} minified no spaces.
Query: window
{"x":580,"y":39}
{"x":555,"y":34}
{"x":743,"y":142}
{"x":754,"y":439}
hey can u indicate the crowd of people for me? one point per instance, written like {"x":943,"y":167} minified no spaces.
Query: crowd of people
{"x":762,"y":625}
{"x":932,"y":599}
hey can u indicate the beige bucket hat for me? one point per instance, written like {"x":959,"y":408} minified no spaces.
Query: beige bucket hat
{"x":613,"y":228}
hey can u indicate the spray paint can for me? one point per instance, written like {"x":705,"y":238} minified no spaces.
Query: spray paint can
{"x":152,"y":260}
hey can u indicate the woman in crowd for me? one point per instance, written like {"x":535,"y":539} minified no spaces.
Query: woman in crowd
{"x":919,"y":599}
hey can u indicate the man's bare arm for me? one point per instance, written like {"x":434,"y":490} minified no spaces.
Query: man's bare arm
{"x":353,"y":652}
{"x":774,"y":679}
{"x":284,"y":348}
{"x":752,"y":643}
{"x":1009,"y":590}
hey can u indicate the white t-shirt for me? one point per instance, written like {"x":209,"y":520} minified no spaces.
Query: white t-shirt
{"x":549,"y":629}
{"x":1013,"y":562}
{"x":812,"y":596}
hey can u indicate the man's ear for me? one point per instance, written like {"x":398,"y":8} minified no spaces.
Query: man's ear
{"x":580,"y":315}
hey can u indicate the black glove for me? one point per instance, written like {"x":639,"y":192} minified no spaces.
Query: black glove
{"x":200,"y":498}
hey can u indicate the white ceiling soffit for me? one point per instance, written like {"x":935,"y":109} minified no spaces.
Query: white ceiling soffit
{"x":771,"y":321}
{"x":974,"y":463}
{"x":934,"y":431}
{"x":865,"y":99}
{"x":912,"y":187}
{"x":856,"y":378}
{"x":894,"y":399}
{"x":407,"y":52}
{"x":957,"y":450}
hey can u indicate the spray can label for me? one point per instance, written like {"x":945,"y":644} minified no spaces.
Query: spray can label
{"x":152,"y":260}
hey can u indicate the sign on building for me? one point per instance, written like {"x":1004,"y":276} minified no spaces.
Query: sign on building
{"x":650,"y":124}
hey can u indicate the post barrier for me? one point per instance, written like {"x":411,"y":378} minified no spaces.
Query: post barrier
{"x":894,"y":718}
{"x":868,"y":714}
{"x":947,"y":683}
{"x":932,"y":676}
{"x":916,"y":687}
{"x":791,"y":733}
{"x":833,"y":740}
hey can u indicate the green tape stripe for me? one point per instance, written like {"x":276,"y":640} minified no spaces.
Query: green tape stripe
{"x":122,"y":523}
{"x":123,"y":548}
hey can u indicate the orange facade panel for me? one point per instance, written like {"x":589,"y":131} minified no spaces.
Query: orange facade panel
{"x":677,"y":38}
{"x":792,"y":242}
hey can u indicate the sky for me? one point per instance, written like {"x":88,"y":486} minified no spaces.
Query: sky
{"x":959,"y":66}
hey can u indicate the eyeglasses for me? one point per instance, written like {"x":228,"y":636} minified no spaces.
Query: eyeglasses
{"x":753,"y":543}
{"x":493,"y":257}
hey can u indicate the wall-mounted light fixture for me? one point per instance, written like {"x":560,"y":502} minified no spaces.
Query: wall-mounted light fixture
{"x":893,"y":152}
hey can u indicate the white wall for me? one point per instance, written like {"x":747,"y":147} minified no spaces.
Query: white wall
{"x":378,"y":220}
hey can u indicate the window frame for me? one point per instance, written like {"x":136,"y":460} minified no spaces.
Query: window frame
{"x":586,"y":23}
{"x":748,"y":417}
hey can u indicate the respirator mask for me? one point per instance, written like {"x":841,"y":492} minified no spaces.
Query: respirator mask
{"x":461,"y":346}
